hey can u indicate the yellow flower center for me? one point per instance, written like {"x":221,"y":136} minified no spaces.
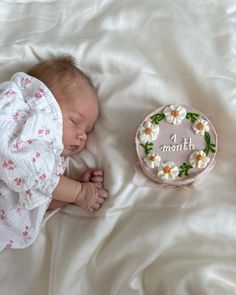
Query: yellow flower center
{"x":199,"y":157}
{"x":174,"y":113}
{"x":152,"y":158}
{"x":167,"y":169}
{"x":200,"y":126}
{"x":148,"y":131}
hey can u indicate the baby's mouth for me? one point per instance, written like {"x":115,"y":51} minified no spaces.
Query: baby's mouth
{"x":74,"y":147}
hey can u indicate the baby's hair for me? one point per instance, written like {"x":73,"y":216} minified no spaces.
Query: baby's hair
{"x":62,"y":69}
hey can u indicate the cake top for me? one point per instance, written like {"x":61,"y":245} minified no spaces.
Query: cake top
{"x":176,"y":144}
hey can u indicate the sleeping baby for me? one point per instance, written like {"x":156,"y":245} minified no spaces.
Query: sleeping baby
{"x":45,"y":116}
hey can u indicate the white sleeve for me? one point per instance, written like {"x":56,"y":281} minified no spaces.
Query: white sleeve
{"x":30,"y":162}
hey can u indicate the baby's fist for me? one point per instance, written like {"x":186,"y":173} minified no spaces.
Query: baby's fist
{"x":92,"y":175}
{"x":91,"y":197}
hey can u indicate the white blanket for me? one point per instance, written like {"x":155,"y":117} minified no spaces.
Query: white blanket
{"x":146,"y":239}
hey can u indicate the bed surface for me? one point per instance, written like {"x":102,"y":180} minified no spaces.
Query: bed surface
{"x":147,"y":239}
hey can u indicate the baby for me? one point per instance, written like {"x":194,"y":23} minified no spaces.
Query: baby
{"x":45,"y":115}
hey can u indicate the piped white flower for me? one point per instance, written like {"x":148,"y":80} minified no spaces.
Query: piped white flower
{"x":168,"y":171}
{"x":152,"y":160}
{"x":199,"y":159}
{"x":175,"y":114}
{"x":200,"y":126}
{"x":148,"y":132}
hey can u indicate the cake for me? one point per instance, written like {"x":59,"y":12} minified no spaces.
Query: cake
{"x":176,"y":145}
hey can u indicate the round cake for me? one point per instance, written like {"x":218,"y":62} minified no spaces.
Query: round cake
{"x":176,"y":145}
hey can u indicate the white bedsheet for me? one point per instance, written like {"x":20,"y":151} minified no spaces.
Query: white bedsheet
{"x":148,"y":240}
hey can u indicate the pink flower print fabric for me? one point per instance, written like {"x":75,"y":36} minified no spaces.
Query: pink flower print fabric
{"x":30,"y":161}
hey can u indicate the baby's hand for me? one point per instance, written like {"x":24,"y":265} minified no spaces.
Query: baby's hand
{"x":92,"y":175}
{"x":91,"y":196}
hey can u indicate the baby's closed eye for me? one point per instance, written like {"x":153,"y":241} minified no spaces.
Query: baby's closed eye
{"x":74,"y":121}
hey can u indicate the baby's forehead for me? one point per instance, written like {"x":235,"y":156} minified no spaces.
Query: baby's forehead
{"x":79,"y":83}
{"x":71,"y":87}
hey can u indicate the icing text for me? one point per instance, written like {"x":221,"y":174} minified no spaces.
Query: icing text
{"x":186,"y":145}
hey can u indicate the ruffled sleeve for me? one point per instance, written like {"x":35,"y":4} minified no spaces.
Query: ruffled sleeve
{"x":31,"y":141}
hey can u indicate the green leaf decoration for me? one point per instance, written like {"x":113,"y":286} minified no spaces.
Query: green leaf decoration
{"x":156,"y":119}
{"x":147,"y":147}
{"x":184,"y":169}
{"x":192,"y":117}
{"x":210,"y":147}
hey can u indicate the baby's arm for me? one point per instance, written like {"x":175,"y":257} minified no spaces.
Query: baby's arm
{"x":64,"y":193}
{"x":66,"y":190}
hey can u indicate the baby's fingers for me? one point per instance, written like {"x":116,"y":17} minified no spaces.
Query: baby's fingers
{"x":96,"y":179}
{"x":100,"y":200}
{"x":98,"y":184}
{"x":102,"y":193}
{"x":85,"y":177}
{"x":97,"y":172}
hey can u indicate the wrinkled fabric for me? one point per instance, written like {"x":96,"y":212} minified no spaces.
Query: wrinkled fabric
{"x":30,"y":161}
{"x":149,"y":240}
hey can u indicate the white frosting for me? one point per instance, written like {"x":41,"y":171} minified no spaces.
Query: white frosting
{"x":168,"y":171}
{"x":187,"y":145}
{"x":148,"y":132}
{"x":199,"y":159}
{"x":174,"y":114}
{"x":152,"y":160}
{"x":173,"y":138}
{"x":200,"y":126}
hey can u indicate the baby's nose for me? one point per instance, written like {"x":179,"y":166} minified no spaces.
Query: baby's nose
{"x":82,"y":136}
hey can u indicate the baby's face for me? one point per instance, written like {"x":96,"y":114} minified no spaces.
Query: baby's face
{"x":79,"y":114}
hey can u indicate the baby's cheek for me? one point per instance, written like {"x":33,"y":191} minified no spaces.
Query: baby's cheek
{"x":66,"y":138}
{"x":82,"y":146}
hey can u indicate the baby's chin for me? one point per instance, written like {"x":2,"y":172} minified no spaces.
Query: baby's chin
{"x":71,"y":150}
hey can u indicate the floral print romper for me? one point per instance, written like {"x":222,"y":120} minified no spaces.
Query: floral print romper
{"x":30,"y":161}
